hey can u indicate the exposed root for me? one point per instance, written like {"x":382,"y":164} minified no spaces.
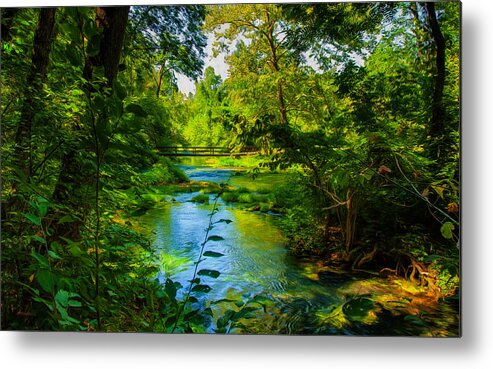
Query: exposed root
{"x":367,"y":257}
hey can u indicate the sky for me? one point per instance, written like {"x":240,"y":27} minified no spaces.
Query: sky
{"x":218,"y":63}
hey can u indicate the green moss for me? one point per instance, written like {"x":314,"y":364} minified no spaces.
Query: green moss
{"x":242,"y":190}
{"x":203,"y":199}
{"x":265,"y":207}
{"x":230,"y":196}
{"x":245,"y":198}
{"x":211,"y":188}
{"x":264,"y":190}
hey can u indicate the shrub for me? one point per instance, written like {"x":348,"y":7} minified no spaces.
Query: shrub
{"x":162,"y":172}
{"x":203,"y":199}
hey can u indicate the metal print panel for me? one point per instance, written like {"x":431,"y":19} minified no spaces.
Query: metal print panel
{"x":232,"y":169}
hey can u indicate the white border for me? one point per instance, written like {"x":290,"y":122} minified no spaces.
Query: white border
{"x":474,"y":350}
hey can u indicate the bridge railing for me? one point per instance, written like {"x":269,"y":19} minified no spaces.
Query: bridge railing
{"x":202,"y":150}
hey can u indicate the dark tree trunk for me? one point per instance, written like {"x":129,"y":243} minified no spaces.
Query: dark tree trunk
{"x":43,"y":38}
{"x":113,"y":20}
{"x":160,"y":80}
{"x":437,"y":125}
{"x":22,"y":156}
{"x":275,"y":66}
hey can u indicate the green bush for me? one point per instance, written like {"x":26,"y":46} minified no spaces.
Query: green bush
{"x":245,"y":198}
{"x":230,"y":196}
{"x":162,"y":172}
{"x":203,"y":199}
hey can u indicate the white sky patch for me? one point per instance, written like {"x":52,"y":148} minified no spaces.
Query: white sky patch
{"x":186,"y":85}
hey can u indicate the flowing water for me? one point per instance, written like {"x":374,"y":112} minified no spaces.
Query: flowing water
{"x":301,"y":295}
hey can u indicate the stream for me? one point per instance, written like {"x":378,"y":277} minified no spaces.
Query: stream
{"x":301,"y":295}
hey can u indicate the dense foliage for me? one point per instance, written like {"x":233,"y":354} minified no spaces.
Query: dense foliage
{"x":359,"y":103}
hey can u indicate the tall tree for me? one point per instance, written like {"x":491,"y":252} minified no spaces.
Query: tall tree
{"x":437,"y":124}
{"x":112,"y":21}
{"x":259,"y":33}
{"x":43,"y":38}
{"x":209,"y":112}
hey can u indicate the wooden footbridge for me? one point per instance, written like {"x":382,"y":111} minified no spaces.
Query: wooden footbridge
{"x":204,"y":151}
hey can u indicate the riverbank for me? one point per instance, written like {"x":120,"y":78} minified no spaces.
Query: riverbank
{"x":257,"y":272}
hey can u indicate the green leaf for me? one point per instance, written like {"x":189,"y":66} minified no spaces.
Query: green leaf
{"x":54,"y":255}
{"x":116,"y":106}
{"x":48,"y":303}
{"x":99,"y":102}
{"x":213,"y":254}
{"x":201,"y":288}
{"x":136,"y":109}
{"x":367,"y":175}
{"x":33,"y":218}
{"x":42,"y":206}
{"x":62,"y":298}
{"x":170,"y":289}
{"x":192,"y":299}
{"x":120,"y":91}
{"x":209,"y":273}
{"x":190,"y":314}
{"x":415,"y":320}
{"x":39,"y":239}
{"x":195,"y":281}
{"x":90,"y":29}
{"x":67,"y":219}
{"x":223,"y":321}
{"x":446,"y":230}
{"x":227,"y":221}
{"x":43,"y":262}
{"x":71,"y":30}
{"x":74,"y":303}
{"x":65,"y":299}
{"x":45,"y":279}
{"x":215,"y":238}
{"x":75,"y":250}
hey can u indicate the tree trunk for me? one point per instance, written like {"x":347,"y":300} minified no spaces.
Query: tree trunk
{"x":437,"y":126}
{"x":113,"y":20}
{"x":275,"y":65}
{"x":43,"y":37}
{"x":160,"y":80}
